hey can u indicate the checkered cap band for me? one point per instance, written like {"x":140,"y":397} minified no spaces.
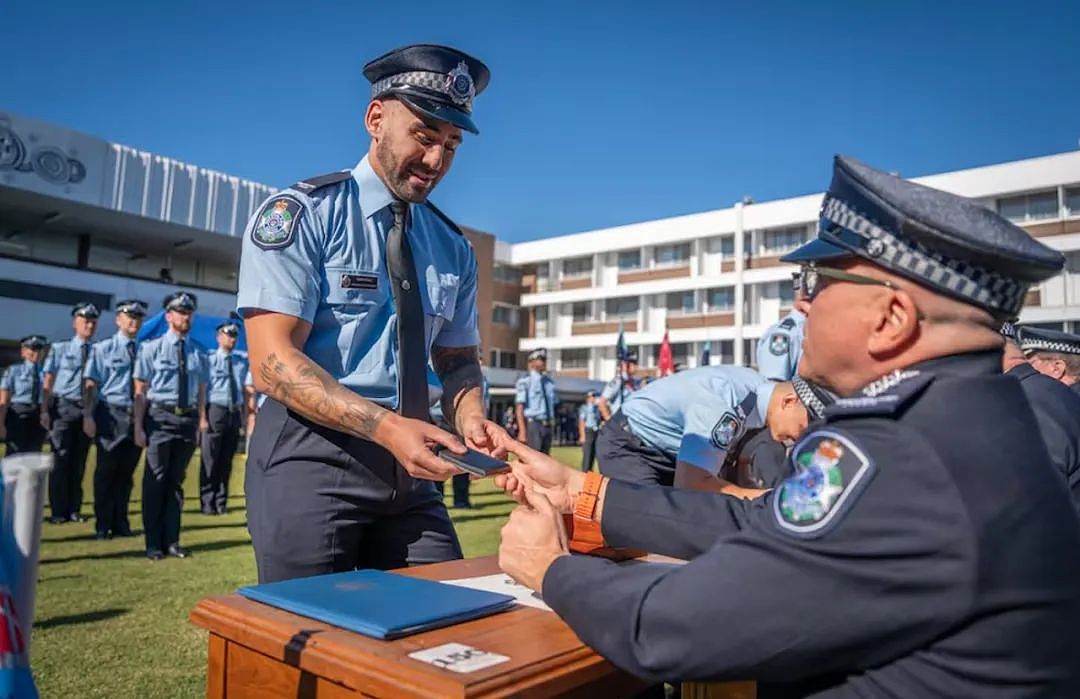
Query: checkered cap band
{"x":1028,"y":342}
{"x":426,"y":80}
{"x":1008,"y":330}
{"x":814,"y":405}
{"x":980,"y":286}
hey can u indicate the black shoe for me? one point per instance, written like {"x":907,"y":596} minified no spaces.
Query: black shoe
{"x":125,"y":532}
{"x":101,"y":536}
{"x":462,"y":506}
{"x":76,"y":517}
{"x":178,"y":552}
{"x":57,"y":520}
{"x":155,"y":555}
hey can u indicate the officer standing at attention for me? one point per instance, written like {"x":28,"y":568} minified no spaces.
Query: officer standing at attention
{"x":1057,"y":410}
{"x":619,"y":388}
{"x":109,"y":400}
{"x":349,"y":284}
{"x":1054,"y":353}
{"x":21,"y":397}
{"x":588,"y":426}
{"x":170,"y":406}
{"x":779,"y":348}
{"x":934,"y":549}
{"x":225,"y":415}
{"x":62,"y":414}
{"x":534,"y":403}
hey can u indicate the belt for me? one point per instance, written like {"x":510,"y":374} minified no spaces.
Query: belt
{"x":175,"y":410}
{"x":72,"y":401}
{"x":116,"y":406}
{"x":542,"y":421}
{"x":234,"y":409}
{"x":31,"y":406}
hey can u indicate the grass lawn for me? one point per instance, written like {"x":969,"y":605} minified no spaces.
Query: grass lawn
{"x":111,"y":623}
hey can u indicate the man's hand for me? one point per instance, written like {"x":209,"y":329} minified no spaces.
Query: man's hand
{"x":89,"y":426}
{"x":531,"y":540}
{"x":484,"y":435}
{"x":558,"y":483}
{"x":204,"y":425}
{"x":140,"y":437}
{"x":411,"y":442}
{"x":46,"y":420}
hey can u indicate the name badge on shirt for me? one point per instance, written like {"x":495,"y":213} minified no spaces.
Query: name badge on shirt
{"x":359,"y":281}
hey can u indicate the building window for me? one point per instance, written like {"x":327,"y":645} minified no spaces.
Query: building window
{"x":1029,"y":207}
{"x":577,"y":267}
{"x":722,"y":298}
{"x":680,"y":302}
{"x":725,"y":245}
{"x":781,"y":240}
{"x":630,"y":259}
{"x":580,"y":311}
{"x":504,"y":315}
{"x":672,"y":254}
{"x":575,"y":358}
{"x":1072,"y":201}
{"x":508,"y":360}
{"x":507,"y":274}
{"x":625,"y":308}
{"x":727,"y":352}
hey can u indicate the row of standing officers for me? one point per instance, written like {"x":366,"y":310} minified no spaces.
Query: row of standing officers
{"x":161,"y":395}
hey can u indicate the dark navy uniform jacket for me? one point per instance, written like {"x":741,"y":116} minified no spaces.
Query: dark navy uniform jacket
{"x":924,"y":548}
{"x":1057,"y":410}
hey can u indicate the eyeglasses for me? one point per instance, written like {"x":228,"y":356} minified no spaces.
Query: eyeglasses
{"x":812,"y":281}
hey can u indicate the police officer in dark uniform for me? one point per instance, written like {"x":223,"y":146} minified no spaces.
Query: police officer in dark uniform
{"x":1054,"y":353}
{"x":170,"y":407}
{"x":20,"y":399}
{"x":535,"y":403}
{"x":225,"y":415}
{"x":1057,"y":409}
{"x":109,"y":401}
{"x":925,"y":546}
{"x":62,"y":415}
{"x":349,"y":284}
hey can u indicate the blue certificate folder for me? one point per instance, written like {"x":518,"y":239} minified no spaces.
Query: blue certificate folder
{"x":378,"y":604}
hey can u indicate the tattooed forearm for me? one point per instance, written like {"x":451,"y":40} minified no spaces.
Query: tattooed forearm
{"x":459,"y":370}
{"x":299,"y":384}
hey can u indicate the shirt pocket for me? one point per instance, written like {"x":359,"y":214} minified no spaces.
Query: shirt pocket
{"x":354,"y":294}
{"x":439,"y":301}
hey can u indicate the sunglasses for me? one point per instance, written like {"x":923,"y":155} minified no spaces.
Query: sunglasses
{"x":813,"y":277}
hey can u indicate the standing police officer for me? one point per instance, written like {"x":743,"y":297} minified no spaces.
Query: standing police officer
{"x":225,"y":415}
{"x":349,"y":284}
{"x":1054,"y":353}
{"x":619,"y":388}
{"x":170,"y":406}
{"x":62,"y":414}
{"x":109,"y":400}
{"x":925,"y":546}
{"x":20,"y":399}
{"x":588,"y":426}
{"x":534,"y":403}
{"x":780,"y":347}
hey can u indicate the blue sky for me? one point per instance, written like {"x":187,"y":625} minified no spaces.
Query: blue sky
{"x":598,"y":114}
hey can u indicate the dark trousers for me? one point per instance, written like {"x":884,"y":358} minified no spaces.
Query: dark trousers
{"x":588,"y":450}
{"x":218,"y":448}
{"x":24,"y":430}
{"x":460,"y":484}
{"x":170,"y":446}
{"x":117,"y":456}
{"x":70,"y":446}
{"x":538,"y":435}
{"x":625,"y":457}
{"x":320,"y":501}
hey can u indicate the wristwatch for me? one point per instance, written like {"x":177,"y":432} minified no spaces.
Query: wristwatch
{"x":582,"y":529}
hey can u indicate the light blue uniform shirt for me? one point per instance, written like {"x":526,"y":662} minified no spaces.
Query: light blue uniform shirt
{"x":217,"y":390}
{"x":65,"y":362}
{"x":617,"y":390}
{"x":590,"y":414}
{"x":110,"y":368}
{"x":531,"y":390}
{"x":330,"y":270}
{"x":779,"y":349}
{"x":18,"y":380}
{"x":698,"y":414}
{"x":158,"y":366}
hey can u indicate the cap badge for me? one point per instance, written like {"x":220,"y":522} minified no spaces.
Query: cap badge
{"x":459,"y":84}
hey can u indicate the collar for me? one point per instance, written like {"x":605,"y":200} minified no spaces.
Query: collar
{"x":1022,"y":371}
{"x":224,"y":352}
{"x":172,"y":338}
{"x":78,"y":341}
{"x":374,"y":194}
{"x":124,"y":339}
{"x":966,"y":364}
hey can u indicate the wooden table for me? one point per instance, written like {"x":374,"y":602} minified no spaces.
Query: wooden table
{"x":260,"y":651}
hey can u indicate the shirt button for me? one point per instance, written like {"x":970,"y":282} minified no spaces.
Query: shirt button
{"x":405,"y":284}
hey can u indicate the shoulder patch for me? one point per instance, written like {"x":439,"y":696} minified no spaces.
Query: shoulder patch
{"x":787,"y":323}
{"x":726,"y":430}
{"x":830,"y":473}
{"x":446,"y":219}
{"x":779,"y":343}
{"x":275,"y":226}
{"x":312,"y":183}
{"x":886,"y":396}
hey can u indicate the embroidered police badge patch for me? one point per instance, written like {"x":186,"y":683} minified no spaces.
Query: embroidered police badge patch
{"x":830,"y":470}
{"x":726,"y":430}
{"x":778,"y":344}
{"x":276,"y":224}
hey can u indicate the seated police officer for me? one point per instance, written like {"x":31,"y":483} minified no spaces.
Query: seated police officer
{"x":779,"y":348}
{"x":349,"y":284}
{"x":1054,"y":353}
{"x":226,"y":404}
{"x":20,"y":399}
{"x":62,"y":414}
{"x":686,"y":430}
{"x":109,"y":400}
{"x":924,"y":548}
{"x":170,"y":408}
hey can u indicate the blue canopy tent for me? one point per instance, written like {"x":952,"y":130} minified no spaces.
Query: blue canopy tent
{"x":203,"y":330}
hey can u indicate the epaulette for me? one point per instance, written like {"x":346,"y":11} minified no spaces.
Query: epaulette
{"x":787,"y":323}
{"x":886,"y":396}
{"x":446,"y":219}
{"x":312,"y":183}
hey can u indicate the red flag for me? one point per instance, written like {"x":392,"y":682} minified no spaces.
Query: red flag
{"x":666,"y":362}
